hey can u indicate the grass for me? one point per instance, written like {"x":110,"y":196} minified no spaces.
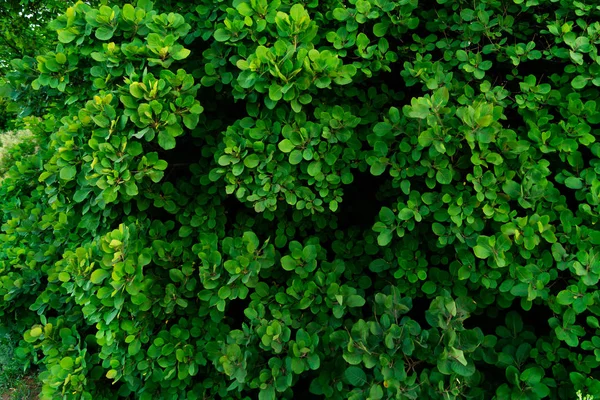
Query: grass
{"x":14,"y":383}
{"x":24,"y":388}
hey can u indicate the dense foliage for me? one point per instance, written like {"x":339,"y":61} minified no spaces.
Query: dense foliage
{"x":358,"y":199}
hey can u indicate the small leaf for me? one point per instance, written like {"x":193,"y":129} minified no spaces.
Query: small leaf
{"x":111,"y":374}
{"x":382,"y":128}
{"x":355,"y":300}
{"x":579,"y":82}
{"x":286,"y":146}
{"x":444,"y":176}
{"x":387,"y":216}
{"x":355,"y":376}
{"x":252,"y":161}
{"x":98,"y":276}
{"x":221,"y":35}
{"x":482,"y":252}
{"x":573,"y":183}
{"x":165,"y":140}
{"x":36,"y":332}
{"x":288,"y":263}
{"x":67,"y":173}
{"x":385,"y":237}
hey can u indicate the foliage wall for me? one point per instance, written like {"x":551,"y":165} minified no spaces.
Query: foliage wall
{"x":358,"y":199}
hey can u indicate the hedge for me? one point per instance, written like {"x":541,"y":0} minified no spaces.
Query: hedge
{"x":359,"y":199}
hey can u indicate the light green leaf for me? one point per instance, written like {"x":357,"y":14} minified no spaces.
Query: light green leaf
{"x":287,"y":146}
{"x":573,"y":183}
{"x":579,"y":82}
{"x":288,"y":263}
{"x":98,"y":276}
{"x":482,"y":252}
{"x":67,"y":173}
{"x":252,"y":161}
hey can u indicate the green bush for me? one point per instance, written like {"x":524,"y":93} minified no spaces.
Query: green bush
{"x":271,"y":199}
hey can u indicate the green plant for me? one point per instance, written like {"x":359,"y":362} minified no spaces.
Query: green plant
{"x":273,"y":199}
{"x":586,"y":397}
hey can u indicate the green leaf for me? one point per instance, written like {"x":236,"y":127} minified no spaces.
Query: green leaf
{"x":191,"y":120}
{"x":67,"y":363}
{"x":165,"y":140}
{"x":405,"y":214}
{"x":444,"y":176}
{"x":288,"y":263}
{"x":376,"y":392}
{"x":134,"y":347}
{"x":385,"y":237}
{"x":287,"y":146}
{"x":314,"y":168}
{"x":579,"y":82}
{"x":512,"y":188}
{"x":355,"y":300}
{"x":224,"y":292}
{"x":296,"y":157}
{"x":440,"y":97}
{"x":482,"y":252}
{"x":131,"y":188}
{"x":98,"y":276}
{"x":380,"y":29}
{"x":532,"y":375}
{"x":387,"y":216}
{"x":176,"y":275}
{"x":111,"y":373}
{"x":355,"y":376}
{"x":66,"y":36}
{"x":67,"y":173}
{"x":341,"y":14}
{"x":36,"y":332}
{"x":565,"y":297}
{"x":275,"y":92}
{"x":429,"y":287}
{"x":309,"y":253}
{"x":252,"y":161}
{"x":268,"y":393}
{"x":104,"y":33}
{"x":221,"y":35}
{"x":136,"y":91}
{"x":382,"y":128}
{"x":378,"y":168}
{"x":573,"y":183}
{"x":180,"y":54}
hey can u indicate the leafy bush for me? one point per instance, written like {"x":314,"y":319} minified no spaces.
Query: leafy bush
{"x":274,"y":199}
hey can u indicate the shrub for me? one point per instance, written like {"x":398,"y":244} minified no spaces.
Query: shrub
{"x":274,"y":199}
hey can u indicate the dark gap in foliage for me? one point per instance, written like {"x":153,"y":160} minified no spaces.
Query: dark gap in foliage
{"x":159,"y":214}
{"x":487,"y":320}
{"x":562,"y":281}
{"x":234,"y":313}
{"x":360,"y":205}
{"x":186,"y":153}
{"x":233,"y":207}
{"x":493,"y":376}
{"x":302,"y":387}
{"x":419,"y":306}
{"x":542,"y":69}
{"x":536,"y":319}
{"x":570,"y":196}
